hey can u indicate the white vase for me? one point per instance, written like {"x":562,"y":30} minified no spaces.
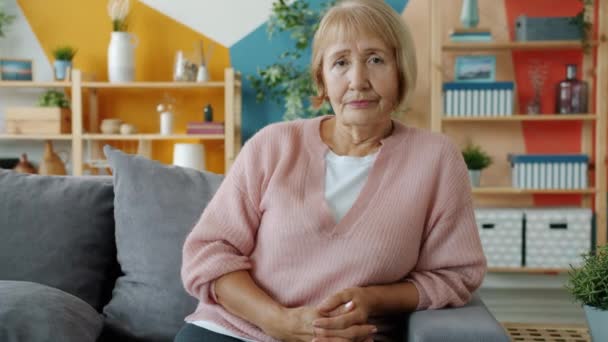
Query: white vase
{"x":121,"y":57}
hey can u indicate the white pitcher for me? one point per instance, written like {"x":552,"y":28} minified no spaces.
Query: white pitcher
{"x":121,"y":57}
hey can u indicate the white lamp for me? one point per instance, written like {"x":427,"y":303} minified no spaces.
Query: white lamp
{"x":189,"y":155}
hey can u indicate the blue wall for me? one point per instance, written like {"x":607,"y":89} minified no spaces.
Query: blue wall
{"x":256,"y":50}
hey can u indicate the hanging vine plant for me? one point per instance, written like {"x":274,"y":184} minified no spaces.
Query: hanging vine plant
{"x":286,"y":81}
{"x":582,"y":20}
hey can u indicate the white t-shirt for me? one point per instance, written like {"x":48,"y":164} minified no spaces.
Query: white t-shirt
{"x":345,"y":176}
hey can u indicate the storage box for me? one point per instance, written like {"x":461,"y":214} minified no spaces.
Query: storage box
{"x":546,"y":28}
{"x":549,"y":171}
{"x":557,"y":237}
{"x":501,"y":233}
{"x":37,"y":120}
{"x":478,"y":99}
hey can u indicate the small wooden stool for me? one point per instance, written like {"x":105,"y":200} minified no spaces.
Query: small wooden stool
{"x":524,"y":332}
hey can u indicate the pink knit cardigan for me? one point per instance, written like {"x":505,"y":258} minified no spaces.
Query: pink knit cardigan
{"x":413,"y":221}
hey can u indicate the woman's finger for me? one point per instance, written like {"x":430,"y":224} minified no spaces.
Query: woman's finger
{"x":330,"y":339}
{"x":342,"y":309}
{"x":340,"y":322}
{"x":333,"y":302}
{"x":355,"y":332}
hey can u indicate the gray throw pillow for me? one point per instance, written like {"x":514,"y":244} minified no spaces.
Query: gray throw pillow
{"x":156,"y":207}
{"x":58,"y":231}
{"x":31,"y":312}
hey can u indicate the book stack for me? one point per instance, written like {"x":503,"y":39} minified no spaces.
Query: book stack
{"x":477,"y":99}
{"x":549,"y":171}
{"x":471,"y":35}
{"x":205,"y":128}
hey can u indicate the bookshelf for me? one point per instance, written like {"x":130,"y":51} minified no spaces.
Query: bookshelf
{"x":81,"y":136}
{"x":593,"y":124}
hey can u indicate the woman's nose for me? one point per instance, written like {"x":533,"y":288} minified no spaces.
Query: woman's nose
{"x":359,"y":78}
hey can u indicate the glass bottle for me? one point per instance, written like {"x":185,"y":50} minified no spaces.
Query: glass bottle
{"x":571,"y":93}
{"x":166,"y":118}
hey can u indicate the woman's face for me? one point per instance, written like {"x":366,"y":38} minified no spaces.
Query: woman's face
{"x":361,"y":78}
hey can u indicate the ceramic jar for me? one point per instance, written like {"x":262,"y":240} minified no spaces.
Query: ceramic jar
{"x":110,"y":126}
{"x":51,"y":163}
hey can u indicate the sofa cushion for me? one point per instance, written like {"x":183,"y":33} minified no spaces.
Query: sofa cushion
{"x":156,"y":207}
{"x":58,"y":231}
{"x":35,"y":312}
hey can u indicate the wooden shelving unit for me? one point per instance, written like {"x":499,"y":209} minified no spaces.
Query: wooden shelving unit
{"x":27,"y":84}
{"x":36,"y":137}
{"x":94,"y":137}
{"x":154,"y":85}
{"x":80,"y":136}
{"x":486,"y":190}
{"x":521,"y":117}
{"x":536,"y":45}
{"x":594,"y":138}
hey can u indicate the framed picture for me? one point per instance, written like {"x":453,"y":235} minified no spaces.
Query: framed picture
{"x":475,"y":68}
{"x":16,"y":69}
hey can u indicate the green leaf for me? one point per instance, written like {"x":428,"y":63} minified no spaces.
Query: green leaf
{"x":475,"y":157}
{"x":53,"y":98}
{"x":283,"y":81}
{"x":588,"y":284}
{"x":64,"y":53}
{"x":5,"y":21}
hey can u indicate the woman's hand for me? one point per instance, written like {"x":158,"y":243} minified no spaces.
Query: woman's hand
{"x":294,"y":324}
{"x":345,"y":316}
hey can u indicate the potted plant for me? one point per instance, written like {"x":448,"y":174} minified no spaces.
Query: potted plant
{"x":589,"y":286}
{"x":63,"y":60}
{"x":476,"y":160}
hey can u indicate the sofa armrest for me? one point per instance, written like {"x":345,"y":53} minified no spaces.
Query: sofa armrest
{"x":472,"y":322}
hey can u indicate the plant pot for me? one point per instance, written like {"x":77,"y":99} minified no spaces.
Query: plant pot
{"x":475,"y":177}
{"x":597,"y":319}
{"x":61,"y":68}
{"x":121,"y":57}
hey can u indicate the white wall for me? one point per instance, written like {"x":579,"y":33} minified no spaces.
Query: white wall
{"x":208,"y":17}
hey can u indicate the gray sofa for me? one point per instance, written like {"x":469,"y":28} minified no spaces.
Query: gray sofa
{"x":98,"y":259}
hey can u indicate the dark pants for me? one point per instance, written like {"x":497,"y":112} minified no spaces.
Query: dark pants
{"x":192,"y":333}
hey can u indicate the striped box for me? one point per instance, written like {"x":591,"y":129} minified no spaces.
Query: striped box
{"x":548,"y":171}
{"x":501,"y":233}
{"x":478,"y":99}
{"x":557,"y":237}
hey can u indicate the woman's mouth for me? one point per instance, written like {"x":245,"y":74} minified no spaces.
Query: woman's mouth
{"x":361,"y":104}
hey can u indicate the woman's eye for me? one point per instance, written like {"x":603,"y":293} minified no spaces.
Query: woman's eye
{"x":340,"y":63}
{"x":376,"y":60}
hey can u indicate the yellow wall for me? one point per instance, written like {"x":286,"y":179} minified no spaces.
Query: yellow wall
{"x":86,"y":26}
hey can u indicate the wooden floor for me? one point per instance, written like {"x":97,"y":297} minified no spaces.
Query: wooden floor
{"x":547,"y":332}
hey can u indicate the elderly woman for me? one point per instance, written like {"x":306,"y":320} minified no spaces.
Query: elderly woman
{"x":325,"y":227}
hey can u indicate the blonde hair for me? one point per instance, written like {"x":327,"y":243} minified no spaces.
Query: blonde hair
{"x":354,"y":18}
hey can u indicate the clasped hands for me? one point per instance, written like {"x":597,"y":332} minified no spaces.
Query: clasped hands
{"x":341,"y":317}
